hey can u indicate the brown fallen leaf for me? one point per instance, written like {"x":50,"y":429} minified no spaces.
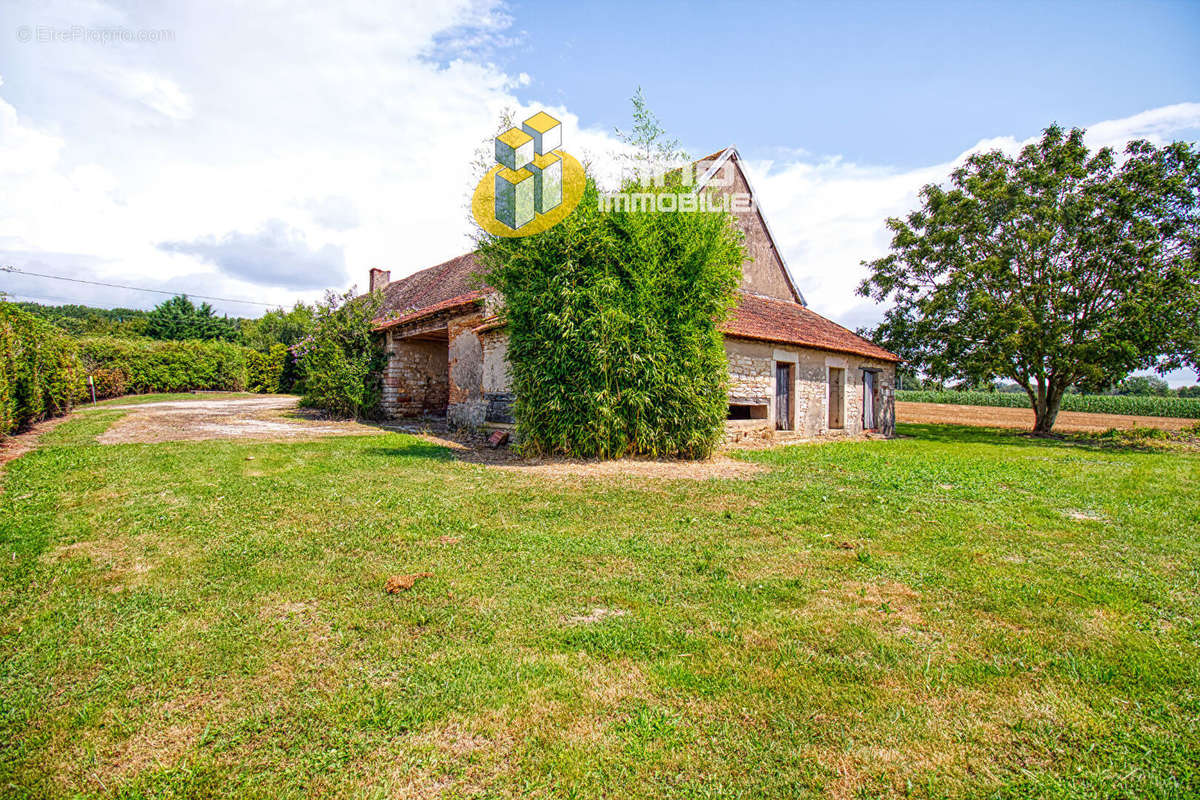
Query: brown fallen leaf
{"x":449,"y":539}
{"x":845,"y":545}
{"x":402,"y":583}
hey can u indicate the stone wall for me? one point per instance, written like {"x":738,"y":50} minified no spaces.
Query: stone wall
{"x":469,"y":380}
{"x":496,"y":376}
{"x":497,"y":380}
{"x":415,"y":379}
{"x":751,"y":377}
{"x":466,"y":406}
{"x":752,"y":373}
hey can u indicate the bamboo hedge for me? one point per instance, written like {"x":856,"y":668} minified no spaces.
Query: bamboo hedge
{"x":613,"y":321}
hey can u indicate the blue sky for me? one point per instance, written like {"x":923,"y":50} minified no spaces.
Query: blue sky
{"x":903,"y":84}
{"x":261,"y":152}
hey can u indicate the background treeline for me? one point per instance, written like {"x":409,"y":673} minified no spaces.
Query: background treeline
{"x":1148,"y":405}
{"x":52,"y":357}
{"x":178,"y":319}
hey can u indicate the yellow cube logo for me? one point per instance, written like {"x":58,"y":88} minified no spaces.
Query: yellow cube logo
{"x":534,"y":184}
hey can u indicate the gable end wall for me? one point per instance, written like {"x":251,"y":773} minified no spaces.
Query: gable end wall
{"x":763,"y":271}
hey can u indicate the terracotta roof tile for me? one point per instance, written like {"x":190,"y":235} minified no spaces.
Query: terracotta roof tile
{"x":450,"y":285}
{"x":467,"y":299}
{"x":432,"y":286}
{"x":772,"y":320}
{"x":489,"y":324}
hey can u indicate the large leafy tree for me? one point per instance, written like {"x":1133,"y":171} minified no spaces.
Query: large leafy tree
{"x":1057,"y":268}
{"x":179,"y":319}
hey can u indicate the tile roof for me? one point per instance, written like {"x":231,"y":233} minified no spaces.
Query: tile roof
{"x":432,"y":286}
{"x":450,"y":285}
{"x":450,"y":303}
{"x":771,"y":320}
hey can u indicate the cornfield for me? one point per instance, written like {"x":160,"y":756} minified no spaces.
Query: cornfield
{"x":1135,"y":405}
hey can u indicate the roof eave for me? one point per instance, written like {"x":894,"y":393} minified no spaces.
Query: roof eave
{"x":453,"y":304}
{"x":756,"y":337}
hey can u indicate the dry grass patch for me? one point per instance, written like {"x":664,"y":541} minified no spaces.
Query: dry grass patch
{"x":888,"y":602}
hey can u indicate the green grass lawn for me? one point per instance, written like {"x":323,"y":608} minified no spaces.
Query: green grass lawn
{"x":956,"y":613}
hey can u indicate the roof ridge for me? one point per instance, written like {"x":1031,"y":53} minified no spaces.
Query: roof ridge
{"x":430,"y":269}
{"x":772,"y":298}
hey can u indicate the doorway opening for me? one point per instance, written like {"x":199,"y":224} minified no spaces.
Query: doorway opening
{"x":870,"y":421}
{"x":783,"y":396}
{"x":837,"y":400}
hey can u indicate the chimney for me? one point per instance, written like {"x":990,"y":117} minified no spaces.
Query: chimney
{"x":380,"y":278}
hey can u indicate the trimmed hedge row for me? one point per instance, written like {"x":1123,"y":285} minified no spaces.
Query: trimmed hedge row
{"x":1135,"y":405}
{"x":43,"y":371}
{"x":266,"y":369}
{"x":39,"y":369}
{"x":140,"y":366}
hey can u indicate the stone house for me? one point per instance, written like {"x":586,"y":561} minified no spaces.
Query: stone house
{"x":793,"y":373}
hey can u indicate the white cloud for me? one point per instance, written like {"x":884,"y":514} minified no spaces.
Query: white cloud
{"x":829,"y":214}
{"x":275,"y":255}
{"x":335,"y":129}
{"x":351,"y":130}
{"x":155,"y":92}
{"x":1158,"y":125}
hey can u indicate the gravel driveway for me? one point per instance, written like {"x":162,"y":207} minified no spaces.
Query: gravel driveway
{"x":271,"y":417}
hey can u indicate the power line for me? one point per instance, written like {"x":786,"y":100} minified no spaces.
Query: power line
{"x":10,"y":268}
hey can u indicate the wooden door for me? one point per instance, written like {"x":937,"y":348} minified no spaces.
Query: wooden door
{"x":869,"y":401}
{"x":783,"y":397}
{"x":836,"y":401}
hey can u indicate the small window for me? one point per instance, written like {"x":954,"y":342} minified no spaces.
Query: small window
{"x":741,"y":411}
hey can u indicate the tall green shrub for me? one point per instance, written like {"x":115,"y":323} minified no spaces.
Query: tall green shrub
{"x":613,"y":322}
{"x":279,"y":327}
{"x":341,"y":360}
{"x":139,"y":366}
{"x":266,"y":370}
{"x":39,"y":369}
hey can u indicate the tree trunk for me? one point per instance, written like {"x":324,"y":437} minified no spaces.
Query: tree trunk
{"x":1045,"y":409}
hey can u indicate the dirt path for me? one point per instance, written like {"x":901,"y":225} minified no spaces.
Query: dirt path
{"x":472,"y":450}
{"x":1078,"y":421}
{"x":277,"y":418}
